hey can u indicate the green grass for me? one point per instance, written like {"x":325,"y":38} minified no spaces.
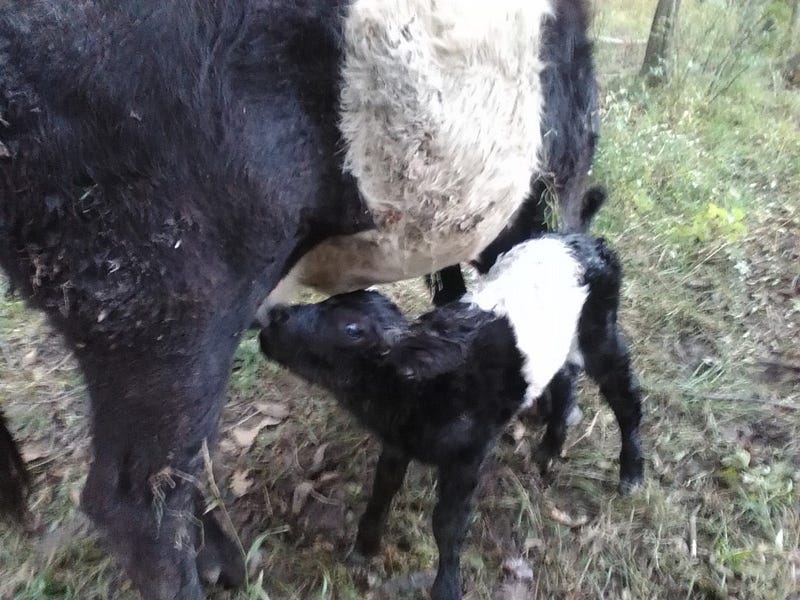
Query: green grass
{"x":705,"y":211}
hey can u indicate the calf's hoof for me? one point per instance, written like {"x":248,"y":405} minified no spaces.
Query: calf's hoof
{"x":368,"y":543}
{"x":446,"y":589}
{"x":544,"y":456}
{"x":630,"y":484}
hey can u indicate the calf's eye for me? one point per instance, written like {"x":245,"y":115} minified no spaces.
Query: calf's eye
{"x":354,"y":331}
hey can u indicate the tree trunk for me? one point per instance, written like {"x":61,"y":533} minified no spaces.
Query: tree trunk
{"x":660,"y":53}
{"x":794,"y":25}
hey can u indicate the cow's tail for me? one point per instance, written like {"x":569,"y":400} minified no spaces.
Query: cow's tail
{"x":14,"y":478}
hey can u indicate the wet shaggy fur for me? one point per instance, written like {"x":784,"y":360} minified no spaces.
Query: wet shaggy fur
{"x":570,"y":132}
{"x":440,"y":113}
{"x":442,"y":388}
{"x":162,"y":166}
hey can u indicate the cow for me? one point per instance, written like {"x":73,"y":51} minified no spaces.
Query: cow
{"x":163,"y":166}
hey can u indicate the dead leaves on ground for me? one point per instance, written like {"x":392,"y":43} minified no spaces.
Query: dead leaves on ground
{"x":559,"y":516}
{"x":242,"y":437}
{"x":273,"y":413}
{"x":240,"y":482}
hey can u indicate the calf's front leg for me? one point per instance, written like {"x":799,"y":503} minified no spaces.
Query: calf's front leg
{"x":389,"y":475}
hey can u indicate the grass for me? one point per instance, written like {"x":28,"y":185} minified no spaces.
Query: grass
{"x":704,"y":178}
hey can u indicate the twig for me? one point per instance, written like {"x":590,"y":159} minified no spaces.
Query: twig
{"x":781,"y":364}
{"x":707,"y":258}
{"x":49,"y":372}
{"x":323,"y":499}
{"x":757,"y":399}
{"x":218,"y":498}
{"x":693,"y":534}
{"x":613,"y":40}
{"x":586,"y":433}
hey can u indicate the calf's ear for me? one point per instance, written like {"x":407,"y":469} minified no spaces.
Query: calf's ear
{"x":404,"y":365}
{"x":425,"y":357}
{"x":386,"y":340}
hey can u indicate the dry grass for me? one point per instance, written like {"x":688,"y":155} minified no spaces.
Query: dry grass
{"x":714,"y":317}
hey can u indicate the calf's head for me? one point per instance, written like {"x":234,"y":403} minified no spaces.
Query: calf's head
{"x":328,"y":342}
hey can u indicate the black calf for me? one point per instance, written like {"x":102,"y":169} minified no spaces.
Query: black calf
{"x":442,"y":388}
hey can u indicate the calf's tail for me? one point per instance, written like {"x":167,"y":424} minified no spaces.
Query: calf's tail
{"x":593,"y":199}
{"x":14,"y":478}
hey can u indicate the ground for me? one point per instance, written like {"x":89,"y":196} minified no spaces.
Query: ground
{"x":704,"y":178}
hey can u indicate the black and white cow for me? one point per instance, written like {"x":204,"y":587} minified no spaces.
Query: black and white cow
{"x":442,"y":388}
{"x":164,"y":165}
{"x":570,"y":131}
{"x":450,"y":119}
{"x":442,"y":118}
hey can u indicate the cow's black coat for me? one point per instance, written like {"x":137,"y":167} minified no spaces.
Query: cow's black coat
{"x":162,"y":165}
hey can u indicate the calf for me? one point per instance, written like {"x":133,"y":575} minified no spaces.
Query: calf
{"x":442,"y":388}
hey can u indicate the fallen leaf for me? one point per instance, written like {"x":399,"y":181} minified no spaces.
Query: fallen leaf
{"x":518,"y":431}
{"x":240,"y":482}
{"x":560,"y":516}
{"x":32,"y":452}
{"x":327,"y":476}
{"x":273,"y":409}
{"x":245,"y":437}
{"x":518,"y":569}
{"x":227,"y":447}
{"x":300,"y":496}
{"x":4,"y":151}
{"x":319,"y":458}
{"x":75,"y":496}
{"x":532,"y":543}
{"x":30,"y":358}
{"x":515,"y":590}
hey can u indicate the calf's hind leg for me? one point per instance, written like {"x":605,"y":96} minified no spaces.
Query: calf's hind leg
{"x":561,"y":391}
{"x":608,"y":362}
{"x":152,"y":411}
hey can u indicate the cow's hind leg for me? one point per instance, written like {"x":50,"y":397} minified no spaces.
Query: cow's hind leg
{"x":153,"y":408}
